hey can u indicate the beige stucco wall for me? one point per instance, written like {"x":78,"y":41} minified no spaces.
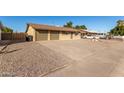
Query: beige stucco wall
{"x":78,"y":36}
{"x":31,"y":31}
{"x":68,"y":36}
{"x":63,"y":36}
{"x":48,"y":35}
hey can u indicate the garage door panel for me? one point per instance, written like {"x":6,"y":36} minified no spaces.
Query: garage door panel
{"x":54,"y":35}
{"x":42,"y":35}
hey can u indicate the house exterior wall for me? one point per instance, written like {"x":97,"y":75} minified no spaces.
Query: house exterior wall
{"x":76,"y":36}
{"x":31,"y":32}
{"x":64,"y":36}
{"x":48,"y":35}
{"x":67,"y":36}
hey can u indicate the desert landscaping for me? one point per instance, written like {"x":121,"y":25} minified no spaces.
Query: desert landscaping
{"x":63,"y":58}
{"x":69,"y":50}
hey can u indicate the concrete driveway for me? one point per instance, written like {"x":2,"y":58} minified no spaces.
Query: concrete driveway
{"x":101,"y":58}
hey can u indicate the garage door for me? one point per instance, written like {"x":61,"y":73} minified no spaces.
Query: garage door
{"x":42,"y":35}
{"x":54,"y":35}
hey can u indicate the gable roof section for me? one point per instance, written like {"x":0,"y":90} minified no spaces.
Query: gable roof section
{"x":51,"y":28}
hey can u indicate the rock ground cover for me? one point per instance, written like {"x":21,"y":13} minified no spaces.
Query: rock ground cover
{"x":30,"y":59}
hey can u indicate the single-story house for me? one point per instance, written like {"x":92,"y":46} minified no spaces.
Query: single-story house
{"x":41,"y":32}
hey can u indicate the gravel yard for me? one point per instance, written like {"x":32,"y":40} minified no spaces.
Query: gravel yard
{"x":30,"y":59}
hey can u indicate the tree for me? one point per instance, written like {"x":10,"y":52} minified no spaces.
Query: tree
{"x":5,"y":29}
{"x":69,"y":24}
{"x":118,"y":29}
{"x":81,"y":27}
{"x":77,"y":27}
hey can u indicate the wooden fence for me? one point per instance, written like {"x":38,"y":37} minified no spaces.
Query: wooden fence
{"x":13,"y":36}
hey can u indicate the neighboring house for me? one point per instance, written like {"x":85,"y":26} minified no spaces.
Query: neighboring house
{"x":44,"y":32}
{"x":85,"y":33}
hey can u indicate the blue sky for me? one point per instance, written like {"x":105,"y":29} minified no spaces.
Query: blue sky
{"x":96,"y":23}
